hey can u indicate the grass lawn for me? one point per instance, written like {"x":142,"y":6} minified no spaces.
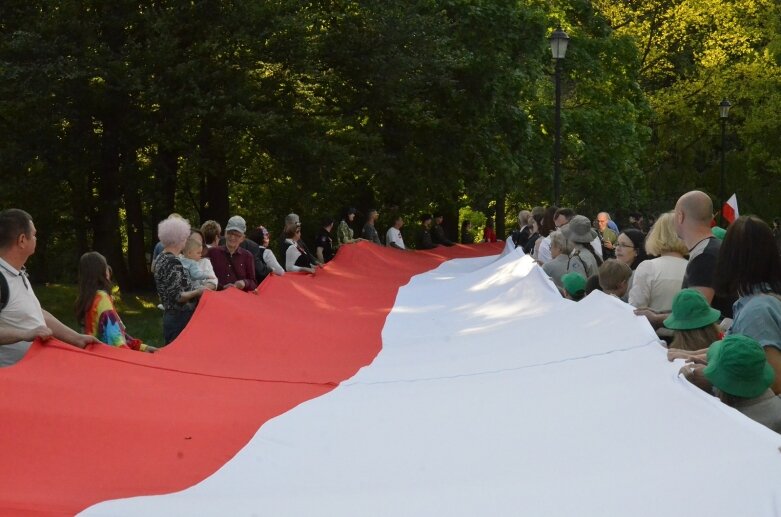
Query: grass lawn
{"x":139,"y":312}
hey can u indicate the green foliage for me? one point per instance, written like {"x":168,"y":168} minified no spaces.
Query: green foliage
{"x":117,"y":113}
{"x":693,"y":55}
{"x":476,"y":217}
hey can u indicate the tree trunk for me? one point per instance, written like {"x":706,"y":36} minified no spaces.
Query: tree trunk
{"x":214,"y":186}
{"x":450,"y":223}
{"x":136,"y":250}
{"x":166,"y":170}
{"x":106,"y":223}
{"x":214,"y":196}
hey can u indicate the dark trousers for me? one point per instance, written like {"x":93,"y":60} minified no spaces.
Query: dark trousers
{"x":174,"y":322}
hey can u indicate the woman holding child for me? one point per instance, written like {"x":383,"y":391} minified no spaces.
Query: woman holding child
{"x":177,"y":293}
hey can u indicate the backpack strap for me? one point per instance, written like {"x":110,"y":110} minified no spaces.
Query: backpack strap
{"x":5,"y":292}
{"x":576,"y":253}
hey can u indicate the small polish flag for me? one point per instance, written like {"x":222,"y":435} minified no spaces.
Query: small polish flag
{"x":730,"y":209}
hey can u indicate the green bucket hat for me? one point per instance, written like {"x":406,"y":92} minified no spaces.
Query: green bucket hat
{"x":574,"y":283}
{"x":737,"y":366}
{"x":691,"y":311}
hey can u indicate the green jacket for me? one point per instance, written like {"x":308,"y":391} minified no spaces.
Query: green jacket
{"x":344,"y":234}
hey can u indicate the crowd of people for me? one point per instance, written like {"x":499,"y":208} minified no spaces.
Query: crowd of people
{"x":713,"y":296}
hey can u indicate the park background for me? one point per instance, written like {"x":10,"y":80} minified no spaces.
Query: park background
{"x":114,"y":114}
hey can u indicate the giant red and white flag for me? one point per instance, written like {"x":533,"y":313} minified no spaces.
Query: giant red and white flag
{"x":391,"y":383}
{"x":730,"y":209}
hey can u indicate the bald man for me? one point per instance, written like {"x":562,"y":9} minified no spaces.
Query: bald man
{"x":693,"y":216}
{"x":609,"y":237}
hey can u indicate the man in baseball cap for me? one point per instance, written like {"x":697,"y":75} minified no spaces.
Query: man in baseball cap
{"x":233,"y":265}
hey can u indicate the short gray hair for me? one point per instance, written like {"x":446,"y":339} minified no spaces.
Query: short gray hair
{"x":523,"y":217}
{"x":558,"y":239}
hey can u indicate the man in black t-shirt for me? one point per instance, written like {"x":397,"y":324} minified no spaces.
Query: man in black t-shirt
{"x":324,"y":242}
{"x":702,"y":263}
{"x":438,"y":233}
{"x":424,"y":234}
{"x":699,"y":273}
{"x":693,"y":216}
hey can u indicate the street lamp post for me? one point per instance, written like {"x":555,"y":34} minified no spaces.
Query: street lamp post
{"x":558,"y":47}
{"x":723,"y":114}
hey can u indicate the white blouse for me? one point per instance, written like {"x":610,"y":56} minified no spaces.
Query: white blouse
{"x":656,"y":281}
{"x":291,"y":255}
{"x":271,"y":261}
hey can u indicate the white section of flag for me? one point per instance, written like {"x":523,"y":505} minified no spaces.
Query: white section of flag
{"x":730,"y":208}
{"x":492,"y":395}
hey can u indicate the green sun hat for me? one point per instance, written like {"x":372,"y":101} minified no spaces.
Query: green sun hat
{"x":737,"y":366}
{"x":691,"y":311}
{"x":574,"y":284}
{"x":718,"y":232}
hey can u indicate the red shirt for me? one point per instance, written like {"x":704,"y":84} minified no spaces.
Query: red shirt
{"x":232,"y":268}
{"x":489,"y":235}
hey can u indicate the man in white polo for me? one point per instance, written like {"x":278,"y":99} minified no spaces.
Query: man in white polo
{"x":22,"y":319}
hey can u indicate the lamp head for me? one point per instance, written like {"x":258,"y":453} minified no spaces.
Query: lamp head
{"x":558,"y":43}
{"x":724,"y":108}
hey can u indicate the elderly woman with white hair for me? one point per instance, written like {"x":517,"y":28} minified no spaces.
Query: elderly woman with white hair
{"x":560,"y":249}
{"x":173,"y":284}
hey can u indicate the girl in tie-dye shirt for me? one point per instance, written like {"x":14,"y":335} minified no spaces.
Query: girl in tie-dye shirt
{"x":95,"y":309}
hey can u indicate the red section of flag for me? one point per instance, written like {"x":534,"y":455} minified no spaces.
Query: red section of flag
{"x":730,"y":209}
{"x":80,"y":427}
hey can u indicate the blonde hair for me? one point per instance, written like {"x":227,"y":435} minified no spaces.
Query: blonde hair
{"x":696,"y":339}
{"x":191,"y":244}
{"x":663,"y":239}
{"x":612,"y":273}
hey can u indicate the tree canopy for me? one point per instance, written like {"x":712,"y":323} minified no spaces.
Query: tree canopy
{"x":114,"y":114}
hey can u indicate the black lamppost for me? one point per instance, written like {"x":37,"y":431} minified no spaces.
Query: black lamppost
{"x":558,"y":48}
{"x":723,"y":114}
